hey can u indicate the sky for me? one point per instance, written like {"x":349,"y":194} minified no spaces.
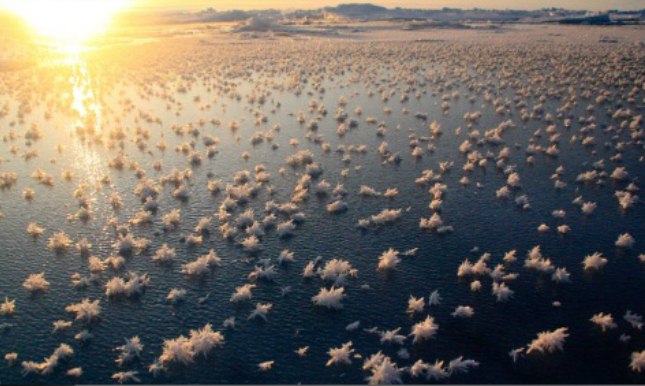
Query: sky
{"x":594,"y":5}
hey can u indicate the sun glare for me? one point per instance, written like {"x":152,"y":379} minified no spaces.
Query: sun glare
{"x":66,"y":21}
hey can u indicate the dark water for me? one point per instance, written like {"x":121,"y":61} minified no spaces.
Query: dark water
{"x":479,"y":220}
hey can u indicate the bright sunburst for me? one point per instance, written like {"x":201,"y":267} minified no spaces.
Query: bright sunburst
{"x":66,"y":21}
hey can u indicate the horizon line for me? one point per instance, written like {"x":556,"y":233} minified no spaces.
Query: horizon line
{"x":197,"y":8}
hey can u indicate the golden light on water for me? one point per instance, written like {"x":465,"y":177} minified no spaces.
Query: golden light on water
{"x":67,"y":22}
{"x":67,"y":28}
{"x":87,"y":117}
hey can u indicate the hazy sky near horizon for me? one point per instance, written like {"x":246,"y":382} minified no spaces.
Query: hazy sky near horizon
{"x":596,"y":5}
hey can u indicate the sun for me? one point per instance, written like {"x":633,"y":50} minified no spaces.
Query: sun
{"x":66,"y":21}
